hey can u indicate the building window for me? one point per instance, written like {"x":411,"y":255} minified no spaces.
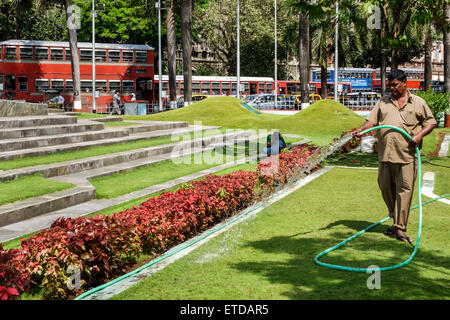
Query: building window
{"x":127,"y":56}
{"x":26,"y":53}
{"x":41,"y":84}
{"x":42,"y":53}
{"x":56,"y":54}
{"x":11,"y":53}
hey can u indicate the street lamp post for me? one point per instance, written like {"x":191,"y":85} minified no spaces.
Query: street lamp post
{"x":94,"y":106}
{"x":238,"y":59}
{"x":276,"y":69}
{"x":158,"y":6}
{"x":336,"y":41}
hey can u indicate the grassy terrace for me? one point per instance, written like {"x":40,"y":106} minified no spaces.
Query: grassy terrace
{"x":320,"y":123}
{"x":101,"y":150}
{"x":29,"y":187}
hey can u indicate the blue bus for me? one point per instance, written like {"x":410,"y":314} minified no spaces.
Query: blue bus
{"x":361,"y":79}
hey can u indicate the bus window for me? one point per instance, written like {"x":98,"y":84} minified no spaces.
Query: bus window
{"x":100,"y":85}
{"x":26,"y":53}
{"x":261,"y":87}
{"x":41,"y":85}
{"x":85,"y":55}
{"x":56,"y":54}
{"x":113,"y":56}
{"x":1,"y":84}
{"x":205,"y":87}
{"x":41,"y":53}
{"x":215,"y":88}
{"x":127,"y":56}
{"x":141,"y":56}
{"x":195,"y":86}
{"x":68,"y":55}
{"x":57,"y":84}
{"x":226,"y":88}
{"x":86,"y":85}
{"x":11,"y":53}
{"x":69,"y":85}
{"x":23,"y":84}
{"x":100,"y":55}
{"x":128,"y":86}
{"x":114,"y":85}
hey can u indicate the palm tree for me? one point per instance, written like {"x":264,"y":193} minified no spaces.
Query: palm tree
{"x":446,"y":30}
{"x":72,"y":30}
{"x":74,"y":58}
{"x":171,"y":53}
{"x":305,"y":58}
{"x":186,"y":39}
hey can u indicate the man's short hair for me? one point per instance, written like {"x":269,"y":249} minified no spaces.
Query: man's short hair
{"x":398,"y":74}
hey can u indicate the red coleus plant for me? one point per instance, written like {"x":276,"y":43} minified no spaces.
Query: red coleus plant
{"x":103,"y":246}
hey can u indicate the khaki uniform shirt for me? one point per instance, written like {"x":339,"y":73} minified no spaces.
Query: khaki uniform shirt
{"x":393,"y":146}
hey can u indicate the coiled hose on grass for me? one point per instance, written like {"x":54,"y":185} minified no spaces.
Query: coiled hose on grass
{"x":419,"y":232}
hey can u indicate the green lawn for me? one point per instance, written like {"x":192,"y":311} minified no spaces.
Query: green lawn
{"x":271,"y":256}
{"x":29,"y":187}
{"x":321,"y":122}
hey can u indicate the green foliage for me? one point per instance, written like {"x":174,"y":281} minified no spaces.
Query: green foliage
{"x":439,"y":103}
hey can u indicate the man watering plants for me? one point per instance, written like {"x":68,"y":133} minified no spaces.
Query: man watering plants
{"x":397,"y":158}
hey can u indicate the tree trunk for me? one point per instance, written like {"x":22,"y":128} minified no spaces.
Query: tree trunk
{"x":186,"y":33}
{"x":74,"y":58}
{"x":171,"y":54}
{"x":304,"y":59}
{"x":428,"y":62}
{"x":446,"y":31}
{"x":323,"y":81}
{"x":383,"y":54}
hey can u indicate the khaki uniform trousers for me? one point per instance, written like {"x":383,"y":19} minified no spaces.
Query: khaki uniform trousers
{"x":396,"y":181}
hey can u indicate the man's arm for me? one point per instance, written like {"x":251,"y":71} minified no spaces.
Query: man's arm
{"x":365,"y":126}
{"x":422,"y":133}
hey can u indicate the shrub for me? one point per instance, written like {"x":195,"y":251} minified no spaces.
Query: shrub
{"x":439,"y":103}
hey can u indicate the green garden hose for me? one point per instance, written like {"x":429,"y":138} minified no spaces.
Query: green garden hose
{"x":332,"y":266}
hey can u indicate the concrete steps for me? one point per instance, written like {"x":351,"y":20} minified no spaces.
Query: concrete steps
{"x":44,"y":145}
{"x":26,"y":132}
{"x":78,"y":171}
{"x":21,"y":122}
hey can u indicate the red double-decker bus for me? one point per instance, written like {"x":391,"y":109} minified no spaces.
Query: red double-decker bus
{"x":35,"y":71}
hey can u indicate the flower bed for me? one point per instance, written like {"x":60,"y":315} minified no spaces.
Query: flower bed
{"x":103,"y":247}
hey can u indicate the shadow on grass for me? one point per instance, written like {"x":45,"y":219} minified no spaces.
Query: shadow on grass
{"x":426,"y":277}
{"x":356,"y":159}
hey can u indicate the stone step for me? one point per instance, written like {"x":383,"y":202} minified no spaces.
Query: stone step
{"x":146,"y":135}
{"x":84,"y":192}
{"x":17,"y":133}
{"x":54,"y":140}
{"x":75,"y":166}
{"x":29,"y":208}
{"x":34,"y":121}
